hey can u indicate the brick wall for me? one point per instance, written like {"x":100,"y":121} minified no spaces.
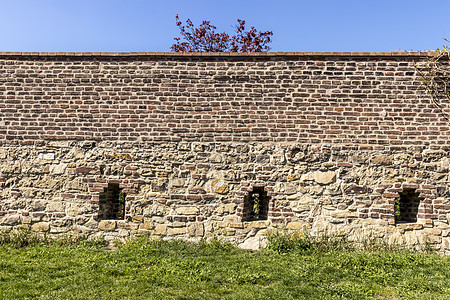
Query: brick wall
{"x":346,"y":98}
{"x":237,"y":146}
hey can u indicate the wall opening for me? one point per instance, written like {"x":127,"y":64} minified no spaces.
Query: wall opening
{"x":256,"y":205}
{"x":407,"y":206}
{"x":112,"y":203}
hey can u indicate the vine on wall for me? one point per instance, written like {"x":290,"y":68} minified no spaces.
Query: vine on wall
{"x":435,"y":74}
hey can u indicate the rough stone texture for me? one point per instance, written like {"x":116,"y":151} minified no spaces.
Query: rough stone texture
{"x":41,"y":226}
{"x":324,"y":177}
{"x":332,"y":141}
{"x":342,"y":198}
{"x":107,"y":225}
{"x":253,"y":243}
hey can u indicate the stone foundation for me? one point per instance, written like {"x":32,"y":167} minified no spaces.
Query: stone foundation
{"x":194,"y":145}
{"x":199,"y":190}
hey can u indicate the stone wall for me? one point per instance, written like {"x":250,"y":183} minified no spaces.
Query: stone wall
{"x":196,"y":145}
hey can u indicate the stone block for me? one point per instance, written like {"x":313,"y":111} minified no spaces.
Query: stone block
{"x":381,"y":160}
{"x":218,"y":186}
{"x":55,"y":206}
{"x":26,"y":220}
{"x":295,"y":225}
{"x":302,"y":208}
{"x":257,"y":224}
{"x":231,"y":219}
{"x":58,"y":169}
{"x":254,"y":243}
{"x":107,"y":225}
{"x":216,"y":158}
{"x":409,"y":226}
{"x":3,"y":153}
{"x":187,"y":210}
{"x":40,"y":227}
{"x":433,"y":231}
{"x":364,"y":222}
{"x":176,"y":231}
{"x":177,"y":224}
{"x":290,"y":188}
{"x":293,"y":177}
{"x":344,"y":214}
{"x":177,"y":182}
{"x":446,"y":243}
{"x":127,"y":225}
{"x":426,"y":222}
{"x":58,"y":230}
{"x":81,"y":229}
{"x":221,"y":224}
{"x":137,"y":219}
{"x":160,"y":229}
{"x":229,"y":231}
{"x":307,"y":177}
{"x":324,"y":177}
{"x":147,"y":225}
{"x":226,"y":208}
{"x":157,"y":210}
{"x":238,"y":225}
{"x":46,"y":156}
{"x":432,"y":239}
{"x":195,"y":229}
{"x":12,"y":219}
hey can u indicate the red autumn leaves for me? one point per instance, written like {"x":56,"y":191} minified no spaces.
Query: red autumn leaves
{"x":204,"y":38}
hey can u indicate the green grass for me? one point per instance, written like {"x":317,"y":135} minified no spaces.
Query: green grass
{"x":144,"y":269}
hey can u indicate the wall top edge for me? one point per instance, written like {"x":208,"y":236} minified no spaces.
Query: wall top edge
{"x":220,"y":54}
{"x":129,"y":144}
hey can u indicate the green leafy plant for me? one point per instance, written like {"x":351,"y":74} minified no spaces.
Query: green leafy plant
{"x":20,"y":237}
{"x":284,"y":242}
{"x":256,"y":204}
{"x":121,"y":206}
{"x":398,"y":216}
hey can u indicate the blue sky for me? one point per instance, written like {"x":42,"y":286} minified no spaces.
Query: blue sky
{"x":138,"y":25}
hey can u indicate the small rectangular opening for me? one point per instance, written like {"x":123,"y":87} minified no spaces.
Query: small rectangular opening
{"x":256,"y":205}
{"x":407,"y":206}
{"x":112,"y":203}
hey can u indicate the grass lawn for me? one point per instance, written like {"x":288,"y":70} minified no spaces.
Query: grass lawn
{"x":144,"y":269}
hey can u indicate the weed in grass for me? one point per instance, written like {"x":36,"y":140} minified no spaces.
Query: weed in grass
{"x":300,"y":241}
{"x":20,"y":237}
{"x":24,"y":237}
{"x":283,"y":242}
{"x":216,"y":246}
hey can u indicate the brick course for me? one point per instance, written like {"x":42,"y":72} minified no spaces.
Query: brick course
{"x":336,"y":98}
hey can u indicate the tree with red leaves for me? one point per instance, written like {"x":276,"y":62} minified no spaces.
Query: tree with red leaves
{"x":206,"y":39}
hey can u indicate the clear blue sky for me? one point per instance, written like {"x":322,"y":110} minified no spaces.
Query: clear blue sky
{"x":139,"y":25}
